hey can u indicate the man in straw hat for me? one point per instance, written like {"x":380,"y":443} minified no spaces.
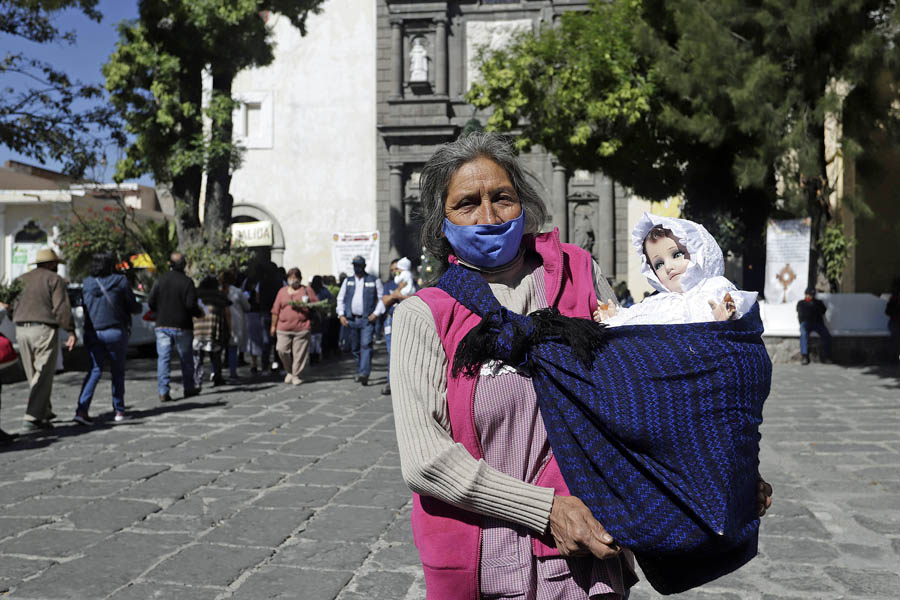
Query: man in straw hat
{"x":41,"y":310}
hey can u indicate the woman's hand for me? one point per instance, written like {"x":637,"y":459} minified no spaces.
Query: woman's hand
{"x":576,"y":531}
{"x":763,"y":495}
{"x":605,"y":311}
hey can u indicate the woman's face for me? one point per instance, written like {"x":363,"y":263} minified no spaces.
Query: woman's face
{"x":668,"y":260}
{"x":480,"y":193}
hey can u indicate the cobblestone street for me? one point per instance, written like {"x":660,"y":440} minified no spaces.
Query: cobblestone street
{"x":264,"y":490}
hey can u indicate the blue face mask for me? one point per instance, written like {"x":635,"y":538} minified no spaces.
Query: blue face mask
{"x":487,"y":246}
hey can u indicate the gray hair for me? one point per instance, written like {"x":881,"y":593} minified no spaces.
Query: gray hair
{"x":445,"y":162}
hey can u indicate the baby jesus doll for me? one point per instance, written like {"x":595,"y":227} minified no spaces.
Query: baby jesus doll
{"x":683,"y":262}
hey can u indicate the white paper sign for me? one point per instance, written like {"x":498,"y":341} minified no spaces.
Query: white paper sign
{"x":348,"y":245}
{"x":254,"y":233}
{"x":787,"y":260}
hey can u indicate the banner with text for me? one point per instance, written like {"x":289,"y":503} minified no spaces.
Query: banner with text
{"x":348,"y":245}
{"x":787,"y":260}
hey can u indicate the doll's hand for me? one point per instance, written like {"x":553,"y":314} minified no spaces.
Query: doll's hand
{"x":605,"y":311}
{"x":724,"y":310}
{"x":763,"y":495}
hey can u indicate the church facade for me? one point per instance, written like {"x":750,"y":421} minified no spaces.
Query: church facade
{"x":425,"y":66}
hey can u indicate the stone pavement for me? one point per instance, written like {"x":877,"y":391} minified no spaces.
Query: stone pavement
{"x":266,"y":491}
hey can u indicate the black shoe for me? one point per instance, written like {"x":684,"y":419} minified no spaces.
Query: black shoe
{"x":36,"y":425}
{"x":386,"y":390}
{"x":805,"y":360}
{"x":192,"y":393}
{"x":363,"y":380}
{"x":51,"y":415}
{"x":6,"y":438}
{"x":81,"y":416}
{"x":165,"y":397}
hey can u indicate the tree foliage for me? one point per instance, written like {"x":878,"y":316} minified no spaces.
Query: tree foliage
{"x":83,"y":235}
{"x":155,"y":80}
{"x":43,"y":113}
{"x":733,"y":95}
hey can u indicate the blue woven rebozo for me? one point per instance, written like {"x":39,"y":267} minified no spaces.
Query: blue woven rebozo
{"x":658,"y":433}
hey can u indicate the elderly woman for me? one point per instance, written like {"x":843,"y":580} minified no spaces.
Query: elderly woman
{"x":492,"y":516}
{"x":291,"y":325}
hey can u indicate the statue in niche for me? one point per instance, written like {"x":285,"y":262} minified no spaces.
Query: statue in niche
{"x":583,"y":227}
{"x":418,"y":62}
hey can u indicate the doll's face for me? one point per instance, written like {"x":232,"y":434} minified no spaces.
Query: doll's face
{"x":669,"y":260}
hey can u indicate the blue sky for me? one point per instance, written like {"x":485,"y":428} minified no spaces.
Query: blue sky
{"x":81,"y":61}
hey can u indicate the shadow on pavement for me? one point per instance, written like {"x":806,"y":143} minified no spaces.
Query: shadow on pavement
{"x":890,"y":372}
{"x":67,"y":429}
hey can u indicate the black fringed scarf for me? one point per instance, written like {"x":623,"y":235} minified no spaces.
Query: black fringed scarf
{"x":654,"y":427}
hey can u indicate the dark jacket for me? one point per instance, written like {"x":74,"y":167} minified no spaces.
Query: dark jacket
{"x":113,"y":309}
{"x":812,"y":312}
{"x":44,"y":300}
{"x":893,"y":308}
{"x":174,"y":300}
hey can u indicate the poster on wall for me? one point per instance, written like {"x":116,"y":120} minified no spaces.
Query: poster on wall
{"x":22,"y":257}
{"x":348,"y":245}
{"x":787,"y":260}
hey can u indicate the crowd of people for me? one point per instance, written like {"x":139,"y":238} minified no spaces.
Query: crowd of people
{"x":265,"y":317}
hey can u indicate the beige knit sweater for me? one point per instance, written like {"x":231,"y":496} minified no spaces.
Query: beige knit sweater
{"x":432,"y":463}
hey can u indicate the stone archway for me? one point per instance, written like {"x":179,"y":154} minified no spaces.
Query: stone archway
{"x":252,"y":212}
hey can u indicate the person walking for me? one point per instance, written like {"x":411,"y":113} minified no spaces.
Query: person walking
{"x":291,"y":325}
{"x":393,"y":293}
{"x":238,"y":309}
{"x":7,"y":360}
{"x":270,"y":282}
{"x":811,"y":314}
{"x":358,"y":306}
{"x":41,"y":310}
{"x":109,"y":304}
{"x":320,"y":321}
{"x":892,"y":310}
{"x":211,"y":330}
{"x":257,"y":334}
{"x":174,"y":300}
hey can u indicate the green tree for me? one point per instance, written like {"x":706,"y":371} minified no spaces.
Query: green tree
{"x":739,"y":92}
{"x":43,"y":113}
{"x":155,"y":80}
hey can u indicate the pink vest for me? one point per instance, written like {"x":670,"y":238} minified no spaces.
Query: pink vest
{"x":449,"y":538}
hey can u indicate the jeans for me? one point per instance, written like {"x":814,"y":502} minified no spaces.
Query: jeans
{"x":388,"y":326}
{"x":109,"y":343}
{"x":806,"y":329}
{"x":215,"y":361}
{"x":360,"y":332}
{"x":894,"y":329}
{"x":183,"y":341}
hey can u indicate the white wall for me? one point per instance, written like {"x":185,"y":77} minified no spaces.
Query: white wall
{"x":317,"y":176}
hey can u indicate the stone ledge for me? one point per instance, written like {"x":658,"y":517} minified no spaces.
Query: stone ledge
{"x":846,"y":350}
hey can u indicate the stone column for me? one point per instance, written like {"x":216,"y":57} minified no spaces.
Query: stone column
{"x":606,"y":226}
{"x":440,"y":58}
{"x":396,"y":59}
{"x":397,"y":220}
{"x":560,"y":203}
